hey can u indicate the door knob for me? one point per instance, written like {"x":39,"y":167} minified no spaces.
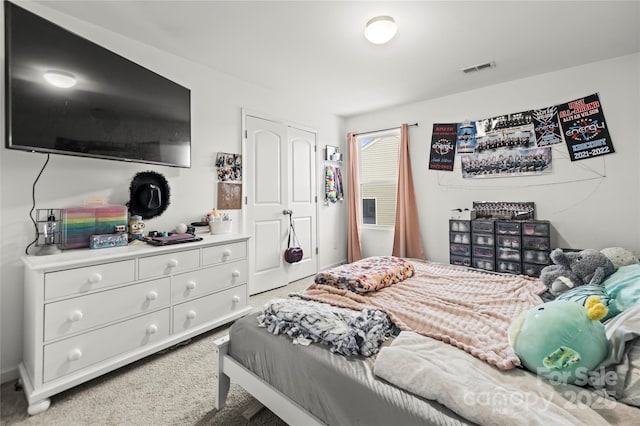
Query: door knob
{"x":287,"y":211}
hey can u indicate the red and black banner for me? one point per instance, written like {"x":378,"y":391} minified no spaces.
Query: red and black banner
{"x":584,"y":128}
{"x":443,"y":146}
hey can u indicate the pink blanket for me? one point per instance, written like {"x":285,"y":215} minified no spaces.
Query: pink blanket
{"x":468,"y":309}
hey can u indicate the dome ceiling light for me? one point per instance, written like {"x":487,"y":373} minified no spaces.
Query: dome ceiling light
{"x":380,"y":29}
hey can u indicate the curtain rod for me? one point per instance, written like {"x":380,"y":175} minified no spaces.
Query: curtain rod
{"x":383,"y":130}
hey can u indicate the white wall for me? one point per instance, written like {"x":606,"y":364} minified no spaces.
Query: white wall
{"x":592,"y":203}
{"x":217,"y":100}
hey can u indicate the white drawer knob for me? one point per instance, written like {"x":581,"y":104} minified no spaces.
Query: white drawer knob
{"x":95,"y":278}
{"x":192,"y":314}
{"x":172,"y":263}
{"x":226,"y":253}
{"x":235,"y":299}
{"x":191,"y":285}
{"x":235,"y":274}
{"x":75,"y":316}
{"x":152,"y":329}
{"x":152,"y":295}
{"x":74,"y":355}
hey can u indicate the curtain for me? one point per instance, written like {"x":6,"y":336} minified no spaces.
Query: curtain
{"x":407,"y":240}
{"x":353,"y":209}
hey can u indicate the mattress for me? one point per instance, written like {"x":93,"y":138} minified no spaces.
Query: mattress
{"x":337,"y":390}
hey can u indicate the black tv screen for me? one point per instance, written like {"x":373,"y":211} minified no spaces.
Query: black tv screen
{"x":115,"y":110}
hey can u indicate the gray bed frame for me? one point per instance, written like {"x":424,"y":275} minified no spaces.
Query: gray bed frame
{"x":231,"y":370}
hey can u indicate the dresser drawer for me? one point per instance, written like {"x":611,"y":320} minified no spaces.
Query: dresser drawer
{"x":84,"y":312}
{"x":82,"y":280}
{"x":208,"y":308}
{"x":198,"y":283}
{"x":224,"y":253}
{"x":81,"y":351}
{"x":168,"y":264}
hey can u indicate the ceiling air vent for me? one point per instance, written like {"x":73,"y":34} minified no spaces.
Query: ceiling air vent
{"x":479,"y":67}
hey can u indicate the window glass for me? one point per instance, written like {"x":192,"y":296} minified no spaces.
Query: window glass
{"x":379,"y":177}
{"x":368,"y":211}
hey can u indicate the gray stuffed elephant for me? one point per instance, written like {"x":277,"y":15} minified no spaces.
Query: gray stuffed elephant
{"x":573,"y":269}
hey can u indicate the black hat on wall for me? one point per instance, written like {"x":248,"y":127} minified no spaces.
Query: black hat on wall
{"x":148,"y":195}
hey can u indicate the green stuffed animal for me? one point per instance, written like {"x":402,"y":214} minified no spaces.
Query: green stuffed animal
{"x":561,"y":340}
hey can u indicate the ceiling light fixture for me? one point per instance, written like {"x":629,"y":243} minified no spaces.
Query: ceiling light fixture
{"x":380,"y":29}
{"x":61,"y":79}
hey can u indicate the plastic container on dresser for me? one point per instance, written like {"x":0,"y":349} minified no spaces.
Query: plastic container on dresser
{"x":483,"y":244}
{"x":460,"y":242}
{"x":88,"y":312}
{"x":536,"y":245}
{"x":508,"y":246}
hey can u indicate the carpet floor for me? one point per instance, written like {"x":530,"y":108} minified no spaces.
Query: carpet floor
{"x":174,"y":387}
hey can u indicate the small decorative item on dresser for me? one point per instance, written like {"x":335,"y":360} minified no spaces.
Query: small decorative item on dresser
{"x":220,"y":227}
{"x":219,"y":223}
{"x":136,"y":228}
{"x":48,"y":231}
{"x":108,"y":240}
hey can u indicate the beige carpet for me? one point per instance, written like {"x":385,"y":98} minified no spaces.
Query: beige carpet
{"x":176,"y":387}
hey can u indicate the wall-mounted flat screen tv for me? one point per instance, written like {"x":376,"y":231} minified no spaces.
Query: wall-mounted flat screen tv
{"x":68,"y":95}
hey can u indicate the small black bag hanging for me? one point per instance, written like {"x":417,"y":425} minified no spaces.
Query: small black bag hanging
{"x":292,"y":254}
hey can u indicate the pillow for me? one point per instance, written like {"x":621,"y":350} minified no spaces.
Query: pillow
{"x":619,"y":256}
{"x":624,"y":286}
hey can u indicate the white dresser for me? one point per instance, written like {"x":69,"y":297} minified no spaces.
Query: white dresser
{"x":87,"y":312}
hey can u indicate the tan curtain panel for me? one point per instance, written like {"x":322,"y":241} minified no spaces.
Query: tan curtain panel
{"x":353,"y":209}
{"x":407,"y":240}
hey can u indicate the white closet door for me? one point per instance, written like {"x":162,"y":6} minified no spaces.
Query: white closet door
{"x":302,"y":199}
{"x":279,"y":163}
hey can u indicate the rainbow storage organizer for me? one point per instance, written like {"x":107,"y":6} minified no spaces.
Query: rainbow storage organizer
{"x":80,"y":223}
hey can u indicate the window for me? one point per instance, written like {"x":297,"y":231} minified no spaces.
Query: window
{"x":369,"y":211}
{"x":379,"y":177}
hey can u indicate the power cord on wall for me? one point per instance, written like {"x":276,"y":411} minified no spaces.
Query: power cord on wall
{"x":33,"y":205}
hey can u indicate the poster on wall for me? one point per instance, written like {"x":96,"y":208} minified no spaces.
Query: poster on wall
{"x":466,"y":137}
{"x":506,"y":163}
{"x":229,"y":196}
{"x":443,"y":146}
{"x":546,"y":126}
{"x":584,"y":128}
{"x":500,"y":145}
{"x":509,"y":131}
{"x":229,"y":167}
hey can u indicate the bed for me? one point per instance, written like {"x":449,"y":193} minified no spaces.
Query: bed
{"x":425,"y":373}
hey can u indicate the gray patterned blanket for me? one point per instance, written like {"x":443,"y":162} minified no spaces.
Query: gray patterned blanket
{"x":346,"y":331}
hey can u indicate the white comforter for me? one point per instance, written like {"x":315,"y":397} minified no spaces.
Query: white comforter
{"x":485,"y":395}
